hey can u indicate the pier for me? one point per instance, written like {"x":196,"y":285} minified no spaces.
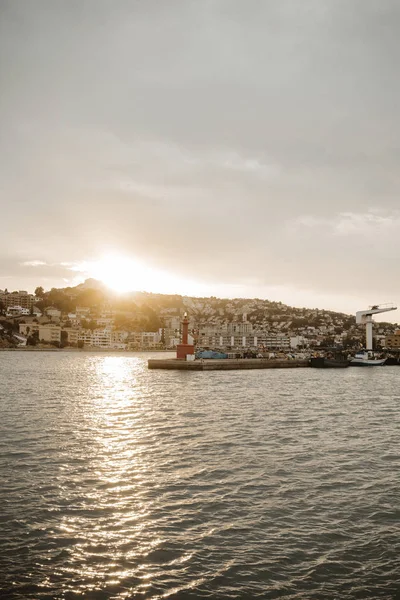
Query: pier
{"x":228,"y":364}
{"x":185,"y":359}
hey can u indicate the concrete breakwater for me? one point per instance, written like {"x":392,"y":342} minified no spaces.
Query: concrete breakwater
{"x":228,"y":364}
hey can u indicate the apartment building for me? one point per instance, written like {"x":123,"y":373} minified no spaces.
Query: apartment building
{"x":50,"y":333}
{"x":21,"y":298}
{"x":213,"y":336}
{"x":393,"y":341}
{"x":240,"y":328}
{"x":72,"y":334}
{"x":146,"y":339}
{"x":100,"y":338}
{"x":119,"y":339}
{"x":47,"y":333}
{"x":240,"y":335}
{"x":273,"y":341}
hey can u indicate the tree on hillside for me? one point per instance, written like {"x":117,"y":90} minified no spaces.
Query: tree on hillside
{"x":126,"y":305}
{"x":64,"y":339}
{"x":351,"y":342}
{"x":60,"y":300}
{"x":85,"y":324}
{"x":90,"y":298}
{"x":39,"y":292}
{"x":152,"y":320}
{"x":123,"y":322}
{"x":33,"y":339}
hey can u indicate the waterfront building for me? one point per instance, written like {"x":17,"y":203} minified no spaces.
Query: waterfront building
{"x":171,"y":342}
{"x":119,"y":339}
{"x":49,"y":333}
{"x":146,"y":339}
{"x":46,"y":333}
{"x":100,"y":338}
{"x":272,"y":341}
{"x":211,"y":335}
{"x":72,"y":334}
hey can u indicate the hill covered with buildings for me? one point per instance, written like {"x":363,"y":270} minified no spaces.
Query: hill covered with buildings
{"x":90,"y":315}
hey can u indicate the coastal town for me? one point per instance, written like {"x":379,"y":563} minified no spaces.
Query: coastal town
{"x":89,"y":316}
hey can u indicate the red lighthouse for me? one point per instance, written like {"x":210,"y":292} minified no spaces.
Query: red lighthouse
{"x":184,"y":348}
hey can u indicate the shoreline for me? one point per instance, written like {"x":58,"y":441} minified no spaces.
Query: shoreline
{"x":91,"y":349}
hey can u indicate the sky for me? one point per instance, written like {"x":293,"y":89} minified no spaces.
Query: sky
{"x":213,"y":147}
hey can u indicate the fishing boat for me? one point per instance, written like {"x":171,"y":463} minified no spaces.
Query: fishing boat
{"x":366,"y":359}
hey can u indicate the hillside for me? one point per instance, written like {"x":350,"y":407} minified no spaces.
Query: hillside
{"x":92,"y":314}
{"x":98,"y":297}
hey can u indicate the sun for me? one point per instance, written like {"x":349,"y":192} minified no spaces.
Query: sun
{"x":125,"y":274}
{"x":120,"y":273}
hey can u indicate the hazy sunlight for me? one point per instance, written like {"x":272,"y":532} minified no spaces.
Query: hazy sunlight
{"x":124,"y":274}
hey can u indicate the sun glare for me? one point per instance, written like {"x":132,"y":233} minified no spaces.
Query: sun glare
{"x":123,"y":274}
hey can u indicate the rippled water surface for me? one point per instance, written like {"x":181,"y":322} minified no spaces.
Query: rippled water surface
{"x":119,"y":482}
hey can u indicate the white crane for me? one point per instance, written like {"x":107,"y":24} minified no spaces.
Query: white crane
{"x":365,"y":317}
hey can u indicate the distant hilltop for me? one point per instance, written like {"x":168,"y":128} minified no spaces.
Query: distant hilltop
{"x":93,"y":293}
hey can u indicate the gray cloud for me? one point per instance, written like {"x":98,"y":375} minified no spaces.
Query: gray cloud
{"x":223,"y":140}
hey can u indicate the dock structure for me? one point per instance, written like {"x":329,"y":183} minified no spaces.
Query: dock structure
{"x":228,"y":364}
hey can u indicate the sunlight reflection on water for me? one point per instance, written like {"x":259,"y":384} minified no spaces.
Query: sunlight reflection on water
{"x":128,"y":483}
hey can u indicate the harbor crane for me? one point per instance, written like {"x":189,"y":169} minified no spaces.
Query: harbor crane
{"x":364,"y":317}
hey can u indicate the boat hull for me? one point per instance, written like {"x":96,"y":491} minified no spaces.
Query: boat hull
{"x":367,"y":363}
{"x":392,"y":362}
{"x":328,"y":363}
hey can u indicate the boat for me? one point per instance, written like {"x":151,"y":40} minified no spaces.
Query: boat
{"x":367,"y":358}
{"x":320,"y":362}
{"x":392,"y":361}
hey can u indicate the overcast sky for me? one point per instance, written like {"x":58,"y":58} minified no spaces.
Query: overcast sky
{"x":251,"y":146}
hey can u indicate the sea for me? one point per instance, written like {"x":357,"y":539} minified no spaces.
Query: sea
{"x":120,"y":482}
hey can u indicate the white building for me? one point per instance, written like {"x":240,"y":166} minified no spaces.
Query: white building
{"x":271,"y":341}
{"x":99,"y":338}
{"x":146,"y":339}
{"x":237,"y":328}
{"x":53,"y":312}
{"x":119,"y":339}
{"x":46,"y":332}
{"x":297,"y":341}
{"x":17,"y":311}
